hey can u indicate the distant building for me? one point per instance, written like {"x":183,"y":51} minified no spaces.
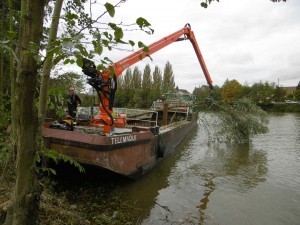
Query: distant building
{"x":289,"y":89}
{"x":183,"y":91}
{"x":203,"y":88}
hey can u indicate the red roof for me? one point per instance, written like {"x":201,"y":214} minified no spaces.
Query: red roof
{"x":289,"y":89}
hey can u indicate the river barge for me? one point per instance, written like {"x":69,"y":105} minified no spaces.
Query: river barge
{"x":128,"y":143}
{"x":131,"y":150}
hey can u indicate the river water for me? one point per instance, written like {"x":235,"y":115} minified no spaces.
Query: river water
{"x":204,"y":183}
{"x":256,"y":183}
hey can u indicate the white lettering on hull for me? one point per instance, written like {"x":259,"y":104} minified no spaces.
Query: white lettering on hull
{"x":124,"y":139}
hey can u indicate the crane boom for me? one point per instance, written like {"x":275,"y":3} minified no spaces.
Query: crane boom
{"x":106,"y":85}
{"x":188,"y":34}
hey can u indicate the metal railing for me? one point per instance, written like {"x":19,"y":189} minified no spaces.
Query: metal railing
{"x":141,"y":116}
{"x":175,"y":107}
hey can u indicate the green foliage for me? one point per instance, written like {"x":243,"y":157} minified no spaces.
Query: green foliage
{"x":279,"y":94}
{"x":282,"y":108}
{"x":4,"y":113}
{"x":6,"y":155}
{"x":56,"y":102}
{"x":206,"y":3}
{"x":5,"y":150}
{"x":65,"y":80}
{"x":297,"y":94}
{"x":204,"y":92}
{"x":88,"y":100}
{"x":231,"y":90}
{"x":80,"y":26}
{"x":58,"y":90}
{"x":156,"y":90}
{"x":262,"y":92}
{"x":137,"y":91}
{"x":136,"y":78}
{"x":146,"y":87}
{"x":143,"y":23}
{"x":56,"y":157}
{"x":290,"y":96}
{"x":110,"y":9}
{"x":236,"y":122}
{"x":168,"y":79}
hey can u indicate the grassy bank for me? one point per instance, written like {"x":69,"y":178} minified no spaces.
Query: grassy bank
{"x":93,"y":205}
{"x":77,"y":203}
{"x":280,"y":107}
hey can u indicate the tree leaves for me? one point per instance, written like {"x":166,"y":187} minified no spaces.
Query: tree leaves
{"x":143,"y":23}
{"x":231,"y":90}
{"x":206,"y":3}
{"x":234,"y":123}
{"x":118,"y":32}
{"x":110,"y":9}
{"x":99,"y":49}
{"x":10,"y":35}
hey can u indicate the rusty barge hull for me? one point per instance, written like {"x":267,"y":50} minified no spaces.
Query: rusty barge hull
{"x":131,"y":154}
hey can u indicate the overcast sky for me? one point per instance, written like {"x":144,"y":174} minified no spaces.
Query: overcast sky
{"x":246,"y":40}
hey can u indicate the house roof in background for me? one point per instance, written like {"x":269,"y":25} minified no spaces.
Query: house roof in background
{"x":289,"y":89}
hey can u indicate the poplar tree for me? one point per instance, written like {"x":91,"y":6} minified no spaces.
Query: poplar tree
{"x":136,"y":78}
{"x":128,"y":88}
{"x":168,"y":79}
{"x":157,"y":83}
{"x":119,"y":98}
{"x":137,"y":85}
{"x":146,"y":87}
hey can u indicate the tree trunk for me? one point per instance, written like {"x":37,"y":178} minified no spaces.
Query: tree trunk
{"x":12,"y":76}
{"x":48,"y":62}
{"x":25,"y":199}
{"x":2,"y":57}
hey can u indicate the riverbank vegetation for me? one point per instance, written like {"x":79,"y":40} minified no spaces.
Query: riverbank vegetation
{"x":138,"y":89}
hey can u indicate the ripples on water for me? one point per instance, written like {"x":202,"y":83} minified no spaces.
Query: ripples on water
{"x":256,"y":183}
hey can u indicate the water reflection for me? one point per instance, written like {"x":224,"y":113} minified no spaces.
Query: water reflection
{"x":210,"y":187}
{"x":201,"y":169}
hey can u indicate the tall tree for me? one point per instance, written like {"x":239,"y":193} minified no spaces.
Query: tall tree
{"x":128,"y":88}
{"x":48,"y":61}
{"x":24,"y":208}
{"x":157,"y":83}
{"x":297,"y":92}
{"x":231,"y":91}
{"x":136,"y":78}
{"x":168,"y":78}
{"x":146,"y":87}
{"x":137,"y":85}
{"x":119,"y":99}
{"x":279,"y":94}
{"x":25,"y":197}
{"x":262,"y":92}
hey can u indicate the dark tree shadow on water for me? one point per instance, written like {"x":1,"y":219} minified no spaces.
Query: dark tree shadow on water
{"x":241,"y":166}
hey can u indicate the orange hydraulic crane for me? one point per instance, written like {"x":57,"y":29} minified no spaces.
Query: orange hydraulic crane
{"x":106,"y":85}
